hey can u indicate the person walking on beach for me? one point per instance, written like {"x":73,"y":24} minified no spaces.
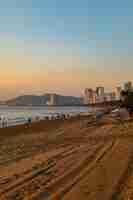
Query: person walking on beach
{"x":3,"y":122}
{"x":29,"y":121}
{"x":6,"y":122}
{"x":0,"y":122}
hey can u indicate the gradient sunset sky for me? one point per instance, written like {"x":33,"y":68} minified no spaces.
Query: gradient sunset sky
{"x":64,"y":46}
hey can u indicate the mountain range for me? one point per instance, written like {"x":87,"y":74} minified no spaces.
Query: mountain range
{"x":46,"y":99}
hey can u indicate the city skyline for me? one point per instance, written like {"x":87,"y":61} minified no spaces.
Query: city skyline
{"x":64,"y":46}
{"x":98,"y":91}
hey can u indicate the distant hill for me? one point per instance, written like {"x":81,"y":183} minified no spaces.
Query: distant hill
{"x":46,"y":99}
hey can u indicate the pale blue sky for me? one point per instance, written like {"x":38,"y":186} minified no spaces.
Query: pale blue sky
{"x":63,"y":36}
{"x":79,"y":22}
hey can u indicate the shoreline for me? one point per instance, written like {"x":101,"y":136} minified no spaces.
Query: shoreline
{"x":46,"y":119}
{"x":38,"y":126}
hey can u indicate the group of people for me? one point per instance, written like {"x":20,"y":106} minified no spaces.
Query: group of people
{"x":58,"y":116}
{"x":4,"y":120}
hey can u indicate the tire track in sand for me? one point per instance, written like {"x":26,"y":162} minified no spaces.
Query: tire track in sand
{"x":121,"y":190}
{"x":13,"y":190}
{"x":59,"y":187}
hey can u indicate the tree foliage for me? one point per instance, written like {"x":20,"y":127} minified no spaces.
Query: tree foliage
{"x":127,"y":98}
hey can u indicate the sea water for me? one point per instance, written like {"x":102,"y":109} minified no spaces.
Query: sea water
{"x":20,"y":114}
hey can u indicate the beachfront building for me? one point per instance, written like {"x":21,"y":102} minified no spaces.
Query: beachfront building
{"x":100,"y":94}
{"x":89,"y":96}
{"x":110,"y":96}
{"x":100,"y":99}
{"x":100,"y":91}
{"x":118,"y":93}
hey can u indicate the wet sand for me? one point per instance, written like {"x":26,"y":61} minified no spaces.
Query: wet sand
{"x":67,"y":160}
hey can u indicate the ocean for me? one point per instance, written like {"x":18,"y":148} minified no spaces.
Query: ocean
{"x":19,"y":114}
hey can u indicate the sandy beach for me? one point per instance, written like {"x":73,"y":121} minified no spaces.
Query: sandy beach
{"x":67,"y":160}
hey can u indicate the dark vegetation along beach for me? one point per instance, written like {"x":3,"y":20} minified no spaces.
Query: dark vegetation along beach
{"x":74,"y":159}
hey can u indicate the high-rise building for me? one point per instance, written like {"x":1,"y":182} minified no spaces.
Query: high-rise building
{"x":100,"y":91}
{"x":100,"y":94}
{"x":52,"y":100}
{"x":118,"y":93}
{"x":128,"y":86}
{"x":90,"y":96}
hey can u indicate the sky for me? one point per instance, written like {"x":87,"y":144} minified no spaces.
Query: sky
{"x":64,"y":46}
